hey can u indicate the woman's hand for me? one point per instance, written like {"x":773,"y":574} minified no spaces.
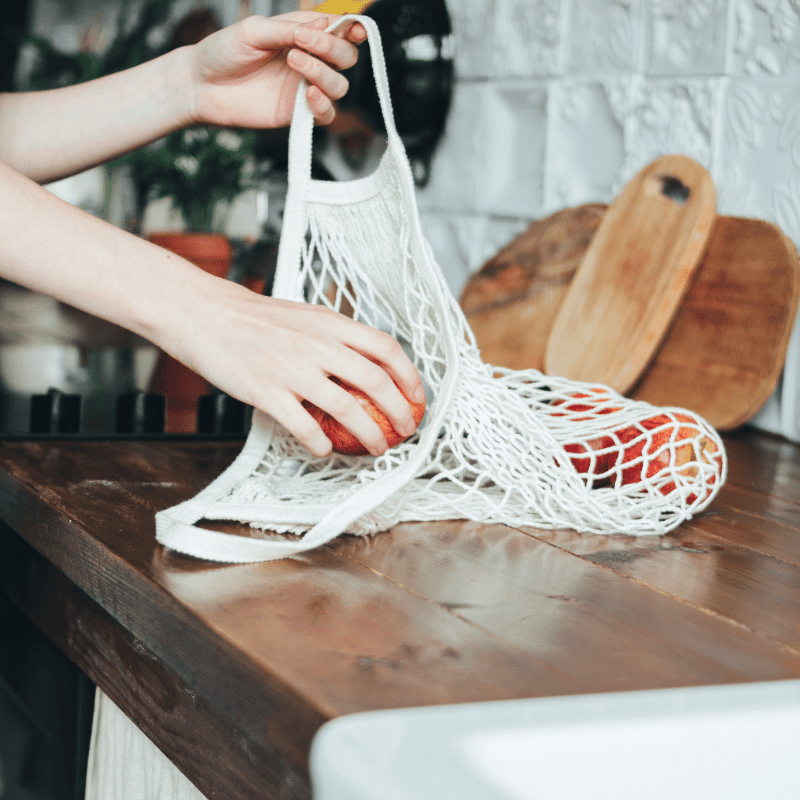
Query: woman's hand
{"x":273,"y":354}
{"x":246,"y":75}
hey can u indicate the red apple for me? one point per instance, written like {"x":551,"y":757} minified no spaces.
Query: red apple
{"x":345,"y":442}
{"x":603,"y":462}
{"x":596,"y":403}
{"x":654,"y":454}
{"x":686,"y":449}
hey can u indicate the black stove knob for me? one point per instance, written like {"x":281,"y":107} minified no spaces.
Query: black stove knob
{"x":221,"y":413}
{"x":55,"y":412}
{"x":138,"y":412}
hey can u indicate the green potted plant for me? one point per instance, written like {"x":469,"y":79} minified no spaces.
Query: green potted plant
{"x":200,"y":170}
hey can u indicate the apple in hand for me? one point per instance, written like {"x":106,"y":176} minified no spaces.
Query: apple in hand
{"x":345,"y":442}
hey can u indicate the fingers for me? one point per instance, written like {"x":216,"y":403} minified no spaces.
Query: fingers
{"x":353,"y":31}
{"x":317,"y":58}
{"x":326,"y":84}
{"x":375,"y":363}
{"x":319,"y":55}
{"x":295,"y":418}
{"x":347,"y":410}
{"x":287,"y":353}
{"x":344,"y":407}
{"x":386,"y":351}
{"x":334,"y":50}
{"x":364,"y":372}
{"x":356,"y":33}
{"x":377,"y":384}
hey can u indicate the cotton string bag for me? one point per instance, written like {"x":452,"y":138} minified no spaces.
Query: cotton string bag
{"x":495,"y":445}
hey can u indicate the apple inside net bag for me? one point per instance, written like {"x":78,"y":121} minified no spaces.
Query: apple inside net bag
{"x":495,"y":445}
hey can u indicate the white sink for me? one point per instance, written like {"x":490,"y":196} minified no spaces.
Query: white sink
{"x":737,"y":742}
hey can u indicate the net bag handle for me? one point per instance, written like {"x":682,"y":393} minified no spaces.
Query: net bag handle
{"x":285,"y":285}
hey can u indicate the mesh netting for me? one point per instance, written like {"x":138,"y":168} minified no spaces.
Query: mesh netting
{"x":495,"y":445}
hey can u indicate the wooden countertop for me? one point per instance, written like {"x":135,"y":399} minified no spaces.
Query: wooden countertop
{"x":231,"y":669}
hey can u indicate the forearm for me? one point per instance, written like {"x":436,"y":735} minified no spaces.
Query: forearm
{"x":51,"y":134}
{"x":51,"y":247}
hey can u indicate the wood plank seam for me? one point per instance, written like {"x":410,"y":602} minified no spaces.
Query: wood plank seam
{"x":783,"y":646}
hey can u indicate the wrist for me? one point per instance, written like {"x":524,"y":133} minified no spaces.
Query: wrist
{"x":182,"y":90}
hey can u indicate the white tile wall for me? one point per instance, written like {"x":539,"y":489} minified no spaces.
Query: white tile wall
{"x":560,"y":102}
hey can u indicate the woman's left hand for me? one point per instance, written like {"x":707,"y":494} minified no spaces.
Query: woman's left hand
{"x":246,"y":75}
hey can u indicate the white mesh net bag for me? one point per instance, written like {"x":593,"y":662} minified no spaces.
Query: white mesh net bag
{"x":495,"y":445}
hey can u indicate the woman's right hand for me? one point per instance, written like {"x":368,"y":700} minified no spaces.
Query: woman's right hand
{"x":273,"y":354}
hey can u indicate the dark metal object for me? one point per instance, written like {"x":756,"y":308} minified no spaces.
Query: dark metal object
{"x":141,"y":413}
{"x":221,"y":413}
{"x":417,"y":39}
{"x":139,"y":416}
{"x":55,"y":412}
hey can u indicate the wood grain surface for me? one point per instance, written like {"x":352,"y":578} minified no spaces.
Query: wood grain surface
{"x":512,"y":302}
{"x":231,"y":669}
{"x":724,"y":353}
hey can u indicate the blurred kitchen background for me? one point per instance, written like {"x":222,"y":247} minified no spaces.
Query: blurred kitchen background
{"x":526,"y":108}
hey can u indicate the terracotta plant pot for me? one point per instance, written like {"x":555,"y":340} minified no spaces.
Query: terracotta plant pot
{"x":181,"y":386}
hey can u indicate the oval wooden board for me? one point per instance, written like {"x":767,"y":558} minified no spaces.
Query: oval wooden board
{"x":724,"y":352}
{"x":634,"y":275}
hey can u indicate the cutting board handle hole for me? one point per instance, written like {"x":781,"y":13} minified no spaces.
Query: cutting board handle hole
{"x":675,"y":189}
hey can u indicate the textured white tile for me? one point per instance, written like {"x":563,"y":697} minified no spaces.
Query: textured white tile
{"x":627,"y":81}
{"x":585,"y":145}
{"x":491,"y":236}
{"x":769,"y":416}
{"x":758,"y":172}
{"x":765,"y":38}
{"x":462,"y":243}
{"x":474,"y":48}
{"x":457,"y":179}
{"x":688,"y":37}
{"x":605,"y":37}
{"x":666,"y":116}
{"x":455,"y":241}
{"x":516,"y":116}
{"x":529,"y":37}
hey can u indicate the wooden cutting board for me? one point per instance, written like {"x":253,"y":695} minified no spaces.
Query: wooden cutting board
{"x":512,"y":301}
{"x":724,"y":352}
{"x":634,"y":275}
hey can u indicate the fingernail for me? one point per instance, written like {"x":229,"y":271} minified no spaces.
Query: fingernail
{"x":306,"y":35}
{"x":419,"y":394}
{"x":381,"y":448}
{"x":410,"y":428}
{"x":300,"y":59}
